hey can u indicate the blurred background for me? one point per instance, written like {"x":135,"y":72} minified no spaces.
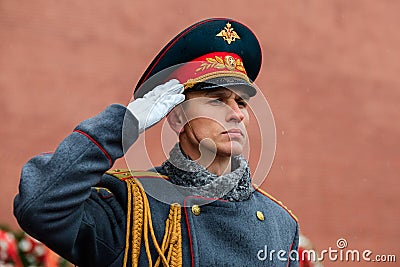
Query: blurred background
{"x":330,"y":73}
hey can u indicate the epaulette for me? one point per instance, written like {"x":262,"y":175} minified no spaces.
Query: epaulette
{"x":277,"y":202}
{"x":124,"y":174}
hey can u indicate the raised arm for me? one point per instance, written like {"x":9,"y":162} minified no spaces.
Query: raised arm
{"x":56,"y":203}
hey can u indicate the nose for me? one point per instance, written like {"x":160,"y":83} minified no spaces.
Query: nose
{"x":234,"y":112}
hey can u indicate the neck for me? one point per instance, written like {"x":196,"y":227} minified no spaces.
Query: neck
{"x":219,"y":166}
{"x":214,"y":163}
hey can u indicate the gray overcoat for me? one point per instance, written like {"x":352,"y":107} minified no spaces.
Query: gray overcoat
{"x":59,"y":205}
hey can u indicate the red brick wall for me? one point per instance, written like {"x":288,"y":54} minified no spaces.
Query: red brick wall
{"x":330,"y":73}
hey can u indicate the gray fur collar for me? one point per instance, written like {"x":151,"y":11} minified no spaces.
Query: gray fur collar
{"x":233,"y":186}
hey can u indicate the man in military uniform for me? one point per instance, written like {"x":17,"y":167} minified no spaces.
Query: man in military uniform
{"x":207,"y":212}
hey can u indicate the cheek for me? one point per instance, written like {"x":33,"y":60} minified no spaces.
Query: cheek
{"x":206,"y":118}
{"x":210,"y":114}
{"x":246,"y":120}
{"x":204,"y":127}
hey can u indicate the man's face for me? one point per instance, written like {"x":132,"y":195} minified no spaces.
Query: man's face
{"x":218,"y":119}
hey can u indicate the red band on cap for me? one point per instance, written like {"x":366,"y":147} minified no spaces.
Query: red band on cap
{"x":212,"y":65}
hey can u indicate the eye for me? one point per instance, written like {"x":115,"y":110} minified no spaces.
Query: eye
{"x":241,"y":103}
{"x":215,"y":101}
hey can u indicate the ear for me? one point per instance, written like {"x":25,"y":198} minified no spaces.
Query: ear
{"x":176,"y":119}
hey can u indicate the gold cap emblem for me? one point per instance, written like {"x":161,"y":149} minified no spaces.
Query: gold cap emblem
{"x":228,"y":34}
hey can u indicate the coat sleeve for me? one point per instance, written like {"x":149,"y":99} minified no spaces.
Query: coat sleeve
{"x":56,"y":204}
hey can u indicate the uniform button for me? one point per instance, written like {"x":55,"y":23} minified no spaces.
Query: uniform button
{"x":196,"y":210}
{"x":260,"y":215}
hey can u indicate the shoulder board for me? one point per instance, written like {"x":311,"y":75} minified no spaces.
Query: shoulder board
{"x":125,"y":174}
{"x":277,"y":202}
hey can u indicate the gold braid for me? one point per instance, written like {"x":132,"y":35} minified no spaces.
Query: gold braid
{"x":142,"y":224}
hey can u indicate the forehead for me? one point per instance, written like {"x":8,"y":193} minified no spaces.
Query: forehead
{"x":237,"y":92}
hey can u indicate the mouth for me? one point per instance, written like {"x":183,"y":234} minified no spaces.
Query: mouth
{"x":234,"y":133}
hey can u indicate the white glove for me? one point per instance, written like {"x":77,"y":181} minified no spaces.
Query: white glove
{"x":156,"y":104}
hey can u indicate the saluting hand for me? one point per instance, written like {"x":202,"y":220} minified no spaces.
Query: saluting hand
{"x":157,"y":103}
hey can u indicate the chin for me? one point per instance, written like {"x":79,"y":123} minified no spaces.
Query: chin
{"x":236,"y":152}
{"x":233,"y":149}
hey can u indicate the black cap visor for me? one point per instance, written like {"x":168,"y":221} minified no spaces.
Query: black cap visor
{"x":232,"y":83}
